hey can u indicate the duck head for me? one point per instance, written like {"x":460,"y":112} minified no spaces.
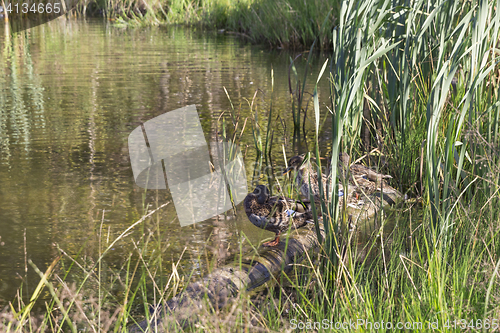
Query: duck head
{"x":262,"y":194}
{"x":295,"y":163}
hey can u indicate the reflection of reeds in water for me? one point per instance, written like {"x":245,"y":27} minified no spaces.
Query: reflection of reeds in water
{"x":16,"y":115}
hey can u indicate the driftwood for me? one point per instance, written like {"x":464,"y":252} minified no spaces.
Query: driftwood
{"x":224,"y":284}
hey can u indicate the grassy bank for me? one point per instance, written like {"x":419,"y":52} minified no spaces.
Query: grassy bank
{"x":422,"y":81}
{"x":282,"y":24}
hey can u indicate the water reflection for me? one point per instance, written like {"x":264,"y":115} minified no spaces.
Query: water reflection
{"x":70,"y":94}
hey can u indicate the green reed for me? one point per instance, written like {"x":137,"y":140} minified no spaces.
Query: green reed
{"x":356,"y":45}
{"x":429,"y":76}
{"x":297,"y":94}
{"x":403,"y":62}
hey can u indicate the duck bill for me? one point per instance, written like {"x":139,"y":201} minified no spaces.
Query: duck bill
{"x":287,"y":170}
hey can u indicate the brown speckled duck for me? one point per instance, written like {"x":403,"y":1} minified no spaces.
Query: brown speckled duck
{"x":360,"y":171}
{"x":364,"y":179}
{"x":307,"y":176}
{"x":275,"y":213}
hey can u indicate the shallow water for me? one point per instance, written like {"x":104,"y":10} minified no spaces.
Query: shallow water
{"x":70,"y":94}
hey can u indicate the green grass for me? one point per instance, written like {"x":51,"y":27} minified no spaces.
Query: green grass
{"x":400,"y":61}
{"x":281,"y":24}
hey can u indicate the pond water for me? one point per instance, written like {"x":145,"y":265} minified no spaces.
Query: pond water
{"x":71,"y":92}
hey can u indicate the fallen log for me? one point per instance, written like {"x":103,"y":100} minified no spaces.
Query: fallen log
{"x":224,"y":284}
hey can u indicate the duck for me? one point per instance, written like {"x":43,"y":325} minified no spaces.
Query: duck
{"x":307,"y":176}
{"x":360,"y":171}
{"x":365,"y":180}
{"x":275,"y":213}
{"x":362,"y":180}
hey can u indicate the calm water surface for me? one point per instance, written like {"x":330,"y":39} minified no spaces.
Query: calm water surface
{"x":70,"y":94}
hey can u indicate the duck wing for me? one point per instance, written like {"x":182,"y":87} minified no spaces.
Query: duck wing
{"x":298,"y":212}
{"x":363,"y":171}
{"x":268,"y":223}
{"x":375,"y":176}
{"x":301,"y":219}
{"x":287,"y":207}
